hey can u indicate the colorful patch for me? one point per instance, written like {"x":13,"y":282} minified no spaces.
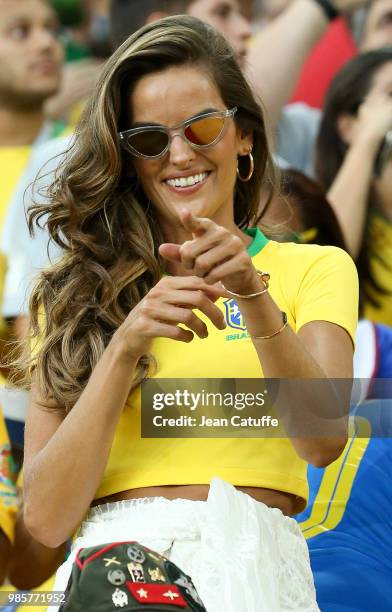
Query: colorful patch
{"x":234,"y":317}
{"x":146,"y":593}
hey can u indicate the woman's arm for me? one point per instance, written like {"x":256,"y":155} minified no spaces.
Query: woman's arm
{"x":31,"y":563}
{"x":349,"y":193}
{"x":65,"y":456}
{"x":320,"y":351}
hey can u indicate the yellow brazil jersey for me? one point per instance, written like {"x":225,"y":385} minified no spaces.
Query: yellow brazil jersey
{"x":308,"y":282}
{"x":380,"y":235}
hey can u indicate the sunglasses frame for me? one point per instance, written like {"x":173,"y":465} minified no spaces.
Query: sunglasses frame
{"x":177,"y":130}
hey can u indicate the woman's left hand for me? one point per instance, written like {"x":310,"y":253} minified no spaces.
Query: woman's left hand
{"x":214,"y":254}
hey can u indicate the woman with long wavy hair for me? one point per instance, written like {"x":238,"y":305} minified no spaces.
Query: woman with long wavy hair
{"x":164,"y":275}
{"x":354,"y":164}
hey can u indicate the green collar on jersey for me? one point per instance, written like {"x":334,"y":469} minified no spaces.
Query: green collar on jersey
{"x":259,"y":240}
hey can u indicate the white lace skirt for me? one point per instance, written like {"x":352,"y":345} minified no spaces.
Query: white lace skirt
{"x":241,"y":555}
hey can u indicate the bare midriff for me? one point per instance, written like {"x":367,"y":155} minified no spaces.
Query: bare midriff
{"x":274,"y":499}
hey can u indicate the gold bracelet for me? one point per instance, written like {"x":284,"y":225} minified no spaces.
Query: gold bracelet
{"x":285,"y":324}
{"x":264,"y":277}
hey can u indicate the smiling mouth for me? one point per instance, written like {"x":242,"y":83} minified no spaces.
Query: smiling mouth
{"x":184,"y":182}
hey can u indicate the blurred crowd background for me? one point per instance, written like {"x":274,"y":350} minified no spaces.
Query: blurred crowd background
{"x":323,"y":72}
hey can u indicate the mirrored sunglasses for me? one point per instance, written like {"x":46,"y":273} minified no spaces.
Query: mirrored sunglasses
{"x":151,"y":141}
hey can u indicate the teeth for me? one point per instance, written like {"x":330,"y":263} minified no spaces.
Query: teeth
{"x":187,"y":181}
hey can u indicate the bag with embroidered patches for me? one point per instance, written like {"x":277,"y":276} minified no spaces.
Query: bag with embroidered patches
{"x":130,"y":577}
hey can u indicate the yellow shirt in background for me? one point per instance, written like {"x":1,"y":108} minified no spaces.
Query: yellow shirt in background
{"x":13,"y":161}
{"x":380,"y":235}
{"x":3,"y":270}
{"x":13,"y":164}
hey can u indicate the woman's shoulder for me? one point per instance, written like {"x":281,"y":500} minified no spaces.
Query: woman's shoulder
{"x":316,"y":282}
{"x":301,"y":258}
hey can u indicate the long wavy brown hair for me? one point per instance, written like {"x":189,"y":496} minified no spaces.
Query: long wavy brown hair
{"x":98,"y":214}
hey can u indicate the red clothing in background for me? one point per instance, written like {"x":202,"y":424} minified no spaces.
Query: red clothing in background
{"x":334,"y":49}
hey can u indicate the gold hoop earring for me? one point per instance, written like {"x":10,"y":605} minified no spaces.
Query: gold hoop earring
{"x":251,"y":169}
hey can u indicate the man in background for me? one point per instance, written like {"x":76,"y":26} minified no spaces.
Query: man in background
{"x":31,"y":59}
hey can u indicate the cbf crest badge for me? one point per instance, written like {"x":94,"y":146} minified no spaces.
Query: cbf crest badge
{"x":234,"y":317}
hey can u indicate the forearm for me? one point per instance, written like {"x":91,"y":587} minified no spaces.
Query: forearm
{"x":278,"y":53}
{"x":66,"y":473}
{"x":284,"y":355}
{"x":349,"y":193}
{"x":32,"y":563}
{"x":312,"y":408}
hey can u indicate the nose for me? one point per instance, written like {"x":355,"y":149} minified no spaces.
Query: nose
{"x":243,"y":27}
{"x":180,"y":151}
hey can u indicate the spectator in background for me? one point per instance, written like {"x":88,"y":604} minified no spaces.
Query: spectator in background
{"x":27,"y":563}
{"x":30,"y":69}
{"x":347,"y":523}
{"x":299,"y":124}
{"x":354,"y":165}
{"x":376,"y":28}
{"x":276,"y":57}
{"x":224,"y":15}
{"x":336,"y":47}
{"x":85,"y":31}
{"x":367,"y":28}
{"x":301,"y":213}
{"x":31,"y":58}
{"x":277,"y":53}
{"x":287,"y":48}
